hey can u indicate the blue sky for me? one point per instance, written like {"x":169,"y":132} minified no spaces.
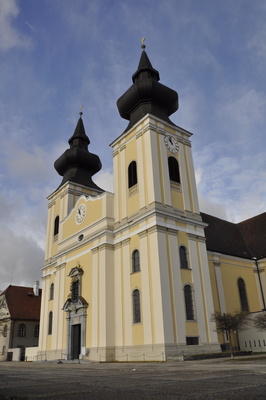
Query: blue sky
{"x":56,"y":55}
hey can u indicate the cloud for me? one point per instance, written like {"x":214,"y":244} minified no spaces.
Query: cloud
{"x":243,"y":109}
{"x":231,"y":187}
{"x":20,"y":259}
{"x":9,"y":36}
{"x":104,"y":179}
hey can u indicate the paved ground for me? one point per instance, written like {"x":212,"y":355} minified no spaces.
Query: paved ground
{"x":243,"y":378}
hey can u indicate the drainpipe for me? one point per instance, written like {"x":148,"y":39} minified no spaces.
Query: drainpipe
{"x":261,"y":289}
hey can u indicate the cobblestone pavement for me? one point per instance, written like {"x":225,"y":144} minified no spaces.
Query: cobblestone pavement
{"x":242,"y":378}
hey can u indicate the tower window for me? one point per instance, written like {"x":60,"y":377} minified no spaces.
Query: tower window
{"x":50,"y":323}
{"x":135,"y":261}
{"x":183,"y":257}
{"x":132,"y":174}
{"x":136,"y":306}
{"x":173,"y":169}
{"x":243,"y":294}
{"x":52,"y":291}
{"x":22,"y":330}
{"x":189,"y":303}
{"x":56,"y":225}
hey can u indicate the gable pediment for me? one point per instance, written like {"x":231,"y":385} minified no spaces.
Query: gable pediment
{"x":4,"y":311}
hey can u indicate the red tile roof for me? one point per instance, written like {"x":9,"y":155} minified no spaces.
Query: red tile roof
{"x":22,"y":303}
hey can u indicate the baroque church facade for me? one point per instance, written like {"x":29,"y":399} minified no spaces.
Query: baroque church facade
{"x":136,"y":274}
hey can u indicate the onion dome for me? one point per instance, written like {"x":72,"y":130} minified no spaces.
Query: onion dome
{"x":77,"y":164}
{"x":147,"y":95}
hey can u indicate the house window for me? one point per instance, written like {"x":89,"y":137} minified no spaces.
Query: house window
{"x":75,"y":289}
{"x":22,"y":330}
{"x":189,"y":303}
{"x":4,"y":350}
{"x":136,"y":306}
{"x":132,"y":174}
{"x":56,"y":225}
{"x":243,"y":295}
{"x":36,"y":330}
{"x":192,"y":340}
{"x":52,"y":291}
{"x":50,"y":323}
{"x":135,"y":261}
{"x":173,"y":170}
{"x":183,"y":257}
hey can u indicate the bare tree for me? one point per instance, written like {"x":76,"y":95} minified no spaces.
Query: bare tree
{"x":230,"y":322}
{"x":260,"y":322}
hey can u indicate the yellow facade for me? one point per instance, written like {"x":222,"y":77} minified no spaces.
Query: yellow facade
{"x":131,"y":273}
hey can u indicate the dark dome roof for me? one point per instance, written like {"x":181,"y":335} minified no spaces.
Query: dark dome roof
{"x":147,"y":95}
{"x":77,"y":164}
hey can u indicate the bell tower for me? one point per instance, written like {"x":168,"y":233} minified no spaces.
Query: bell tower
{"x":157,"y":214}
{"x":152,"y":158}
{"x":76,"y":166}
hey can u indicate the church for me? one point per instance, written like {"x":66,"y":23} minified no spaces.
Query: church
{"x":136,"y":275}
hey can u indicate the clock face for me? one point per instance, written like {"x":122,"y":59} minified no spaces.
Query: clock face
{"x":80,"y":214}
{"x":171,"y":143}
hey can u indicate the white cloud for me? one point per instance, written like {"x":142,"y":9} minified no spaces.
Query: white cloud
{"x":243,"y":109}
{"x":20,"y":259}
{"x":104,"y":179}
{"x":231,"y":187}
{"x":9,"y":36}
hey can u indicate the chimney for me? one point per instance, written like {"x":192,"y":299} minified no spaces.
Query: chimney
{"x":36,"y":288}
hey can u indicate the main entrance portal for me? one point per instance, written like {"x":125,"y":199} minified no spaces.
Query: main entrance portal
{"x":76,"y":341}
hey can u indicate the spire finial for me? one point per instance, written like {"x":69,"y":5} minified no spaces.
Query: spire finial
{"x":80,"y":112}
{"x":142,"y":43}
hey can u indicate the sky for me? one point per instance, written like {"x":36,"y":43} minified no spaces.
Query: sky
{"x":56,"y":55}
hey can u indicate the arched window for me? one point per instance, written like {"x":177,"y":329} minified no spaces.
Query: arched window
{"x":50,"y":323}
{"x":135,"y":261}
{"x":243,"y":294}
{"x":36,"y":330}
{"x":173,"y":169}
{"x":183,"y":257}
{"x":56,"y":225}
{"x":136,"y":306}
{"x":189,"y":303}
{"x":22,"y":330}
{"x":132,"y":174}
{"x":75,"y":289}
{"x":52,"y":291}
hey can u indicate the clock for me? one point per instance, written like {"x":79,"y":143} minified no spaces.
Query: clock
{"x":171,"y":143}
{"x":80,"y":214}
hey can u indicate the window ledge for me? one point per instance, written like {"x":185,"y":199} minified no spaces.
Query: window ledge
{"x":175,"y":186}
{"x":133,"y":190}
